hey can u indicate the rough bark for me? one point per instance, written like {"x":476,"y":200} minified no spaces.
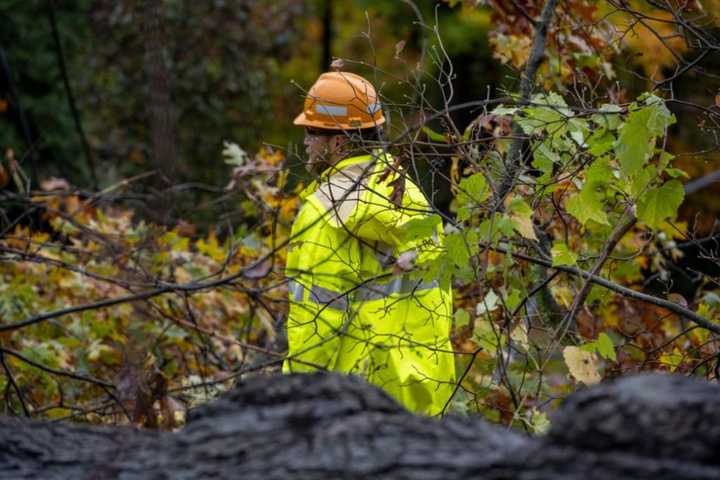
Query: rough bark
{"x":327,"y":426}
{"x":160,"y":110}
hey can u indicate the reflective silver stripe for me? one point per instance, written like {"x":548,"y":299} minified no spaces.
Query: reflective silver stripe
{"x":373,"y":107}
{"x":370,"y":291}
{"x":329,"y":298}
{"x":296,"y":290}
{"x":402,"y":285}
{"x":331,"y":110}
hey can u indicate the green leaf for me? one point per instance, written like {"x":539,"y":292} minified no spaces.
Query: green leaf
{"x":635,"y":143}
{"x":605,"y":347}
{"x":586,"y":206}
{"x":473,"y":189}
{"x":589,"y":203}
{"x":495,"y":228}
{"x":637,"y":135}
{"x":665,"y":159}
{"x":462,"y":318}
{"x":513,"y":299}
{"x":660,"y":203}
{"x":457,"y":249}
{"x":539,"y":422}
{"x":659,"y":117}
{"x":676,"y":172}
{"x":599,"y":172}
{"x":600,"y":142}
{"x":548,"y":113}
{"x":642,"y":180}
{"x":421,"y":227}
{"x":433,"y":135}
{"x":503,"y":110}
{"x":608,"y":118}
{"x":463,"y":213}
{"x":487,"y":337}
{"x":544,"y":158}
{"x":561,"y":254}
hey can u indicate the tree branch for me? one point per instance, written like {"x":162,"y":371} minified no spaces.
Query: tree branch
{"x":625,"y":224}
{"x":628,"y":292}
{"x":526,"y":84}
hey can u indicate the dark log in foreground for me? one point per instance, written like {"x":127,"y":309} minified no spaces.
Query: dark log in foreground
{"x":327,"y":426}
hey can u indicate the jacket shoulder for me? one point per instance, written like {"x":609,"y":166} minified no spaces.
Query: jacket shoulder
{"x":340,"y":194}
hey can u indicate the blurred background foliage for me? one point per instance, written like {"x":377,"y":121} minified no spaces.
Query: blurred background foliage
{"x":236,"y":71}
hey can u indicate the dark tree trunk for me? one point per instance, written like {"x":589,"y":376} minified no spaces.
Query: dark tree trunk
{"x":160,"y":112}
{"x":327,"y":426}
{"x":327,"y":36}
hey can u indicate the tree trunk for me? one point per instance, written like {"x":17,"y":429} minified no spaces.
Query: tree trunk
{"x":327,"y":36}
{"x":328,"y":426}
{"x":161,"y":116}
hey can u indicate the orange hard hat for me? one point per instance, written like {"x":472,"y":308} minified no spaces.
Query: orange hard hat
{"x":341,"y":101}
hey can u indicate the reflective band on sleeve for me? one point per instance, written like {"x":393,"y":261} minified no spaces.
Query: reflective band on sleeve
{"x":296,"y":290}
{"x":329,"y":298}
{"x":331,"y":110}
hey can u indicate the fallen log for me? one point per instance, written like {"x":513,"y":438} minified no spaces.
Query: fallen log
{"x":330,"y":426}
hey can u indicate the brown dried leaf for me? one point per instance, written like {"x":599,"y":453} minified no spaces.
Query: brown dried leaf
{"x":4,"y":177}
{"x":399,"y":46}
{"x":679,"y":299}
{"x":185,"y":229}
{"x":338,"y":64}
{"x":398,"y":192}
{"x":173,"y":413}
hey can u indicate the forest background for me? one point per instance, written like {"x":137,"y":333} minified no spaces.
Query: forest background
{"x":150,"y":174}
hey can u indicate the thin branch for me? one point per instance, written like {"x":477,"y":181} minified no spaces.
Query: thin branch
{"x":62,"y":373}
{"x":625,"y":224}
{"x":14,"y":384}
{"x":526,"y":84}
{"x":628,"y":292}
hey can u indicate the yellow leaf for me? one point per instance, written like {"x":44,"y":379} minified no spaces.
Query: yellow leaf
{"x":672,"y":360}
{"x":524,"y":226}
{"x":582,"y":365}
{"x":563,"y":295}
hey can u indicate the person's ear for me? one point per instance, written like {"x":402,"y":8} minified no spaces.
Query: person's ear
{"x":336,"y":141}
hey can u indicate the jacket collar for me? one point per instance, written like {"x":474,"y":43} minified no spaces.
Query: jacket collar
{"x":314,"y":185}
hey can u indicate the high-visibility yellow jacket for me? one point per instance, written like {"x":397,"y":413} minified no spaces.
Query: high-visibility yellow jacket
{"x":348,"y":311}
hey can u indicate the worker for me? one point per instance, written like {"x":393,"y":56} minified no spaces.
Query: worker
{"x":359,"y":302}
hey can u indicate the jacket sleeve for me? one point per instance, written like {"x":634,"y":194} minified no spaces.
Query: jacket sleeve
{"x":377,"y":218}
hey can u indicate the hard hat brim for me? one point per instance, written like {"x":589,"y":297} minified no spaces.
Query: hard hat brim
{"x":302,"y":121}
